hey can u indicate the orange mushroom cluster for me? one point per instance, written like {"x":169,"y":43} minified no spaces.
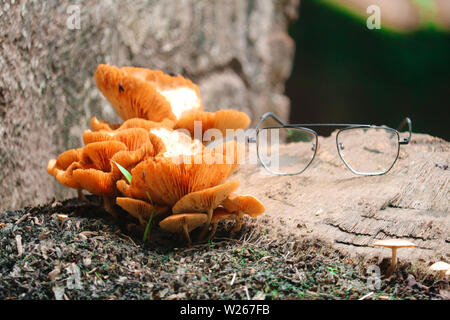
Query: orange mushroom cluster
{"x":170,"y":179}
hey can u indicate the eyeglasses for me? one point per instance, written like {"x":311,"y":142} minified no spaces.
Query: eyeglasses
{"x":289,"y":149}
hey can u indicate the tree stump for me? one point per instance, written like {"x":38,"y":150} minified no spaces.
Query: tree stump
{"x":330,"y":203}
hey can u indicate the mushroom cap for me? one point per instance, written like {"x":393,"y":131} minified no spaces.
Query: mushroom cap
{"x":133,"y":138}
{"x":140,"y":209}
{"x":174,"y":223}
{"x":66,"y":178}
{"x":167,"y":181}
{"x":62,"y":167}
{"x":124,"y":188}
{"x":129,"y":159}
{"x":63,"y":161}
{"x":131,"y":96}
{"x":221,"y":120}
{"x":98,"y":155}
{"x":98,"y":125}
{"x":177,"y":144}
{"x":246,"y":204}
{"x":147,"y":124}
{"x":440,"y":266}
{"x":181,"y":93}
{"x":206,"y":199}
{"x":166,"y":178}
{"x":222,"y":214}
{"x":95,"y":181}
{"x":98,"y":173}
{"x":149,"y":94}
{"x":231,"y":119}
{"x":394,"y":243}
{"x":62,"y":217}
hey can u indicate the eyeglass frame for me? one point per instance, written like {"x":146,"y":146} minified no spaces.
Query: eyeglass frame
{"x":346,"y":126}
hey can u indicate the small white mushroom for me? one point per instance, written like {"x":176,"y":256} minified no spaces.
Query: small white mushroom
{"x":442,"y":267}
{"x":62,"y":218}
{"x":394,"y":244}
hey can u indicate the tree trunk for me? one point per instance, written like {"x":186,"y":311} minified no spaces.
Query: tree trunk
{"x":237,"y":51}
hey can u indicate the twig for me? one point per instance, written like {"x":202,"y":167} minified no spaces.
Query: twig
{"x":128,"y":237}
{"x":22,"y":218}
{"x":232,"y":280}
{"x":366,"y":296}
{"x":246,"y":292}
{"x":19,"y":245}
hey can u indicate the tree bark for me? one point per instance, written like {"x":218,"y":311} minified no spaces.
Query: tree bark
{"x":329,"y":202}
{"x":238,"y":52}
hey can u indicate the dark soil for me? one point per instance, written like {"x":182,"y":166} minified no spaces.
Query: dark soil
{"x":91,"y":257}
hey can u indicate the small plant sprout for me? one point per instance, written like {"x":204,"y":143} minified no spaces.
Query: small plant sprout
{"x":147,"y":228}
{"x":442,"y":267}
{"x":394,"y":244}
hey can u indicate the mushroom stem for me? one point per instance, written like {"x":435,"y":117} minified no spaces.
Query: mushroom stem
{"x":239,"y":220}
{"x":186,"y":233}
{"x":81,"y":195}
{"x":442,"y":272}
{"x":213,"y":231}
{"x":108,"y":205}
{"x":393,"y":262}
{"x":206,"y":227}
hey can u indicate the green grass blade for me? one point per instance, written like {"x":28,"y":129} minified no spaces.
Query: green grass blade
{"x":124,"y":172}
{"x":147,"y":228}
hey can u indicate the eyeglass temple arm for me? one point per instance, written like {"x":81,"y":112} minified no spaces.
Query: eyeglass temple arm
{"x":402,"y":124}
{"x":269,"y":114}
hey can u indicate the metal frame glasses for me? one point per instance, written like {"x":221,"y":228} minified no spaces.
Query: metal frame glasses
{"x":394,"y":135}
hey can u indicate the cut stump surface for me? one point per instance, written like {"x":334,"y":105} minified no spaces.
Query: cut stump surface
{"x":351,"y":212}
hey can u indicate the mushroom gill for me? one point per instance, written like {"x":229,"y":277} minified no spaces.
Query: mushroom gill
{"x":220,"y":120}
{"x":62,"y":169}
{"x":97,"y":173}
{"x":183,"y":223}
{"x":133,"y":138}
{"x":167,"y":181}
{"x":205,"y":200}
{"x":98,"y":125}
{"x":179,"y":170}
{"x":139,"y":209}
{"x":181,"y":93}
{"x":148,"y":94}
{"x":131,"y":96}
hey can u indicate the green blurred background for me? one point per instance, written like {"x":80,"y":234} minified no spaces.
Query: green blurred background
{"x":344,"y":72}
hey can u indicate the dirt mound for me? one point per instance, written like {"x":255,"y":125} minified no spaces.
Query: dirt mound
{"x":92,"y":258}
